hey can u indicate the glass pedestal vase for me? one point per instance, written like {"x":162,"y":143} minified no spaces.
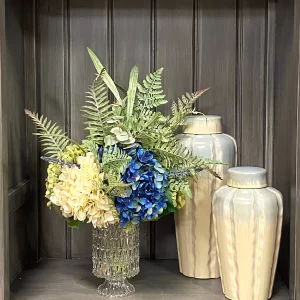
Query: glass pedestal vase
{"x":116,"y":258}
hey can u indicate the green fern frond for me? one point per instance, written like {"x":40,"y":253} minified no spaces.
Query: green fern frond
{"x":98,"y":111}
{"x":116,"y":186}
{"x":151,"y":94}
{"x":148,"y":121}
{"x":174,"y":155}
{"x":115,"y":159}
{"x":183,"y":107}
{"x":91,"y":146}
{"x":53,"y":139}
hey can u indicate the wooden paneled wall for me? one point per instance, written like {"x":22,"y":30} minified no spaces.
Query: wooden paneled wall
{"x":287,"y":137}
{"x":227,"y":45}
{"x":18,"y":184}
{"x":4,"y":219}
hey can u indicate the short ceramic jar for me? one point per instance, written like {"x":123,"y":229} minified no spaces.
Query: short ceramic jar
{"x":248,"y":220}
{"x":196,"y":244}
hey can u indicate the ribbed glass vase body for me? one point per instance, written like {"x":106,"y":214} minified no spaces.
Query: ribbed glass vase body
{"x":115,"y":258}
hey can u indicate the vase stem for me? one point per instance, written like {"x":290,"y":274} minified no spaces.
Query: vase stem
{"x":115,"y":289}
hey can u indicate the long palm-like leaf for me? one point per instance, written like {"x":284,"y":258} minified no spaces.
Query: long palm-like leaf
{"x":106,"y":78}
{"x":53,"y":139}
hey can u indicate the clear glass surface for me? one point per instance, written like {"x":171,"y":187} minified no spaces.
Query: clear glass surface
{"x":116,"y":257}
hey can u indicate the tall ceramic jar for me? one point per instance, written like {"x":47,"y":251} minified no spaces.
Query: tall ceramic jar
{"x":194,"y":223}
{"x":248,"y":220}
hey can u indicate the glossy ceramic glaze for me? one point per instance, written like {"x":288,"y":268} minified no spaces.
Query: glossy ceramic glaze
{"x":248,"y":224}
{"x":194,"y":223}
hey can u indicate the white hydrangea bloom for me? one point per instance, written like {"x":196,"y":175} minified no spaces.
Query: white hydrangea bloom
{"x":77,"y":196}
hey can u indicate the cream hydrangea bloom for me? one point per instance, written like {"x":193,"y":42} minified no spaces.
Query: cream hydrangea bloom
{"x":77,"y":196}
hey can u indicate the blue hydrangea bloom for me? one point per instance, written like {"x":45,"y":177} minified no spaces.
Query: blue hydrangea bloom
{"x":145,"y":199}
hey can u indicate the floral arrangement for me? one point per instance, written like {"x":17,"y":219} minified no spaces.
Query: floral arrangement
{"x":130,"y":168}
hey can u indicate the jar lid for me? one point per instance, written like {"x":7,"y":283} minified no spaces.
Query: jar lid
{"x":202,"y":124}
{"x":247,"y":178}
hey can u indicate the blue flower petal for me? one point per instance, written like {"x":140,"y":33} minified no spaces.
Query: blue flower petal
{"x":146,"y":199}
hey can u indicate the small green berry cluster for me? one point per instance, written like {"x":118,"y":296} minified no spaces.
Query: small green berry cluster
{"x":72,"y":152}
{"x":53,"y":172}
{"x":69,"y":155}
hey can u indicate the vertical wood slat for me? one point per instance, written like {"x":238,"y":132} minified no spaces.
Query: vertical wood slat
{"x":4,"y":219}
{"x":31,"y":141}
{"x":175,"y":53}
{"x":216,"y":60}
{"x":270,"y":86}
{"x":131,"y":24}
{"x":252,"y":82}
{"x":88,"y":28}
{"x":17,"y":155}
{"x":285,"y":142}
{"x":15,"y":90}
{"x":294,"y":270}
{"x":51,"y":96}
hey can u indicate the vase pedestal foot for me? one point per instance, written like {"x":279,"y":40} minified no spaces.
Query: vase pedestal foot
{"x":115,"y":289}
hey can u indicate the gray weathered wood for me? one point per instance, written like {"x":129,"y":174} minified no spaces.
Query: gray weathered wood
{"x":294,"y":272}
{"x":17,"y":197}
{"x":252,"y":82}
{"x":32,"y":166}
{"x":18,"y":184}
{"x":88,"y":28}
{"x":131,"y":45}
{"x":4,"y":220}
{"x":17,"y":242}
{"x":287,"y":137}
{"x":215,"y":60}
{"x":284,"y":133}
{"x":51,"y":91}
{"x":270,"y":82}
{"x":174,"y":52}
{"x":161,"y":280}
{"x":15,"y":92}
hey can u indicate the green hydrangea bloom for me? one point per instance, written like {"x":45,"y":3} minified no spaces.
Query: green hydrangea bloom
{"x":53,"y":171}
{"x":72,"y":152}
{"x":69,"y":155}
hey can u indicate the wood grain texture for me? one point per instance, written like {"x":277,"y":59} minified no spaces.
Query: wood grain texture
{"x":252,"y":82}
{"x":294,"y":273}
{"x":270,"y":88}
{"x":88,"y":28}
{"x":18,"y":197}
{"x":15,"y":91}
{"x":17,"y":242}
{"x":4,"y":219}
{"x":72,"y":279}
{"x":215,"y":60}
{"x":51,"y":97}
{"x":174,"y":52}
{"x":285,"y":134}
{"x":32,"y":159}
{"x":131,"y":45}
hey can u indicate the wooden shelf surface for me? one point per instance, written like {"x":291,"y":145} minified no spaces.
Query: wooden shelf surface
{"x":159,"y":280}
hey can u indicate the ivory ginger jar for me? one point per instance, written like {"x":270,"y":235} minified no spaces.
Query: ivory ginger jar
{"x":195,"y":235}
{"x":248,"y":220}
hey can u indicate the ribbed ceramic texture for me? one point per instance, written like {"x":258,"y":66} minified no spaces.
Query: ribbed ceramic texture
{"x":247,"y":177}
{"x":202,"y":124}
{"x":196,"y":243}
{"x":248,"y":229}
{"x":116,"y":252}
